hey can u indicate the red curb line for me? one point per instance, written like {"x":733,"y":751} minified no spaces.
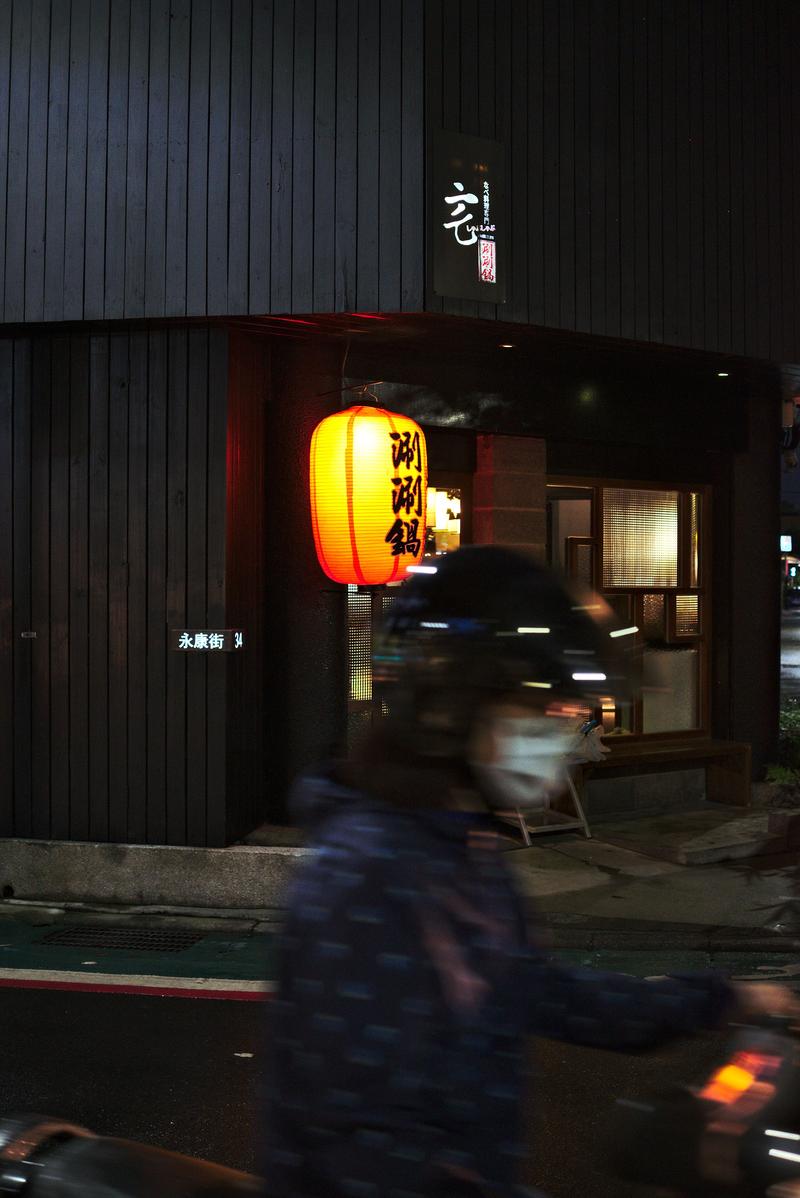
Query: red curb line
{"x":151,"y":991}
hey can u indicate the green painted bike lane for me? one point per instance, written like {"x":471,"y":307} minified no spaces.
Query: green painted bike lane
{"x":219,"y":954}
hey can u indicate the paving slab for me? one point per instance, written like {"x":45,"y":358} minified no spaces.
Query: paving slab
{"x":615,"y":859}
{"x":754,"y":895}
{"x":543,"y":871}
{"x":697,"y":837}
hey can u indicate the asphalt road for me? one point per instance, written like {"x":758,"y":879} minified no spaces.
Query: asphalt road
{"x":166,"y":1071}
{"x":790,"y":653}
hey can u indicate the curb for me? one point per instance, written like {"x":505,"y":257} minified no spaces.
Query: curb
{"x":248,"y":883}
{"x":636,"y":942}
{"x":652,"y":935}
{"x":239,"y":878}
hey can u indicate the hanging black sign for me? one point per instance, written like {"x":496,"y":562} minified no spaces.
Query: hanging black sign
{"x":468,"y":226}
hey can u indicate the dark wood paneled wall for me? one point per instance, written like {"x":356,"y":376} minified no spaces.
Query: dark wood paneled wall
{"x":651,"y":149}
{"x":112,"y":530}
{"x":306,"y":676}
{"x":210,"y":157}
{"x":192,"y":157}
{"x":250,"y":683}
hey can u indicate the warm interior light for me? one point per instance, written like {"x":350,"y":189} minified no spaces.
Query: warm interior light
{"x":640,"y":537}
{"x":443,"y":519}
{"x":506,"y":345}
{"x":608,"y":713}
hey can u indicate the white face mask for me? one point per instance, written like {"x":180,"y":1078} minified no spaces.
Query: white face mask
{"x":529,"y":761}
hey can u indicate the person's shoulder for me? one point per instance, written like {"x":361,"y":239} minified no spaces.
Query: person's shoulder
{"x":378,"y":839}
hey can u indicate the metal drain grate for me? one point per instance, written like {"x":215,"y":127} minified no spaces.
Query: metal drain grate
{"x":155,"y":940}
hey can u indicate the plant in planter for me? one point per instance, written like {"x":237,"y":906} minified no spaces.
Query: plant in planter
{"x":781,"y":787}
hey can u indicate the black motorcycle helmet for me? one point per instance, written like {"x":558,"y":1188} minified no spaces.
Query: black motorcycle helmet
{"x":488,"y":623}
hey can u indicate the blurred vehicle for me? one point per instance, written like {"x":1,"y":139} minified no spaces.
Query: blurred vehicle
{"x":42,"y":1157}
{"x":734,"y":1132}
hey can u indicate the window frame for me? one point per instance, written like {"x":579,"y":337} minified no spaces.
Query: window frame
{"x":702,"y":639}
{"x":454,"y":480}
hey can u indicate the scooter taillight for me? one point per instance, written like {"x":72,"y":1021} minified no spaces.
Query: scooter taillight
{"x":738,"y":1076}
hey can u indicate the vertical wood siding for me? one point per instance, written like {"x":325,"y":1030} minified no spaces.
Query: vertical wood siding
{"x":112,"y":530}
{"x":650,"y":148}
{"x":212,"y":157}
{"x":251,"y":687}
{"x":209,"y":157}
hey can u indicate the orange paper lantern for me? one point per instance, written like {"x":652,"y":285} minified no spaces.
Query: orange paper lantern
{"x":369,"y":478}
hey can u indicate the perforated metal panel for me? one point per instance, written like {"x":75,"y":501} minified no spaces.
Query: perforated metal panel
{"x":365,"y":613}
{"x":359,"y":642}
{"x":640,"y":538}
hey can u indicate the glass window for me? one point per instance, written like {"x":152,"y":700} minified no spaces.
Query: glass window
{"x":644,"y":555}
{"x":669,"y":689}
{"x":443,"y":532}
{"x":640,"y":538}
{"x":569,"y":513}
{"x":654,"y":623}
{"x":695,"y":516}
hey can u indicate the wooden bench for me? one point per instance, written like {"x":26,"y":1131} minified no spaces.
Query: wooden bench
{"x":727,"y":764}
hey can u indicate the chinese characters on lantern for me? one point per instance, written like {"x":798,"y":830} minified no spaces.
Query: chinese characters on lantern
{"x":225,"y":640}
{"x":408,"y":488}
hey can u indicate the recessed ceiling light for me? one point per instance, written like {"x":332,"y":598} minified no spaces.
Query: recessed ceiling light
{"x":722,"y":374}
{"x":506,"y":345}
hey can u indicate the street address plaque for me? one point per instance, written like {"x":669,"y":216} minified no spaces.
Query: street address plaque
{"x":206,"y":640}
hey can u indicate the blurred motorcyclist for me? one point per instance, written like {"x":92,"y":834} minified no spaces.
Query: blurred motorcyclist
{"x":409,"y":974}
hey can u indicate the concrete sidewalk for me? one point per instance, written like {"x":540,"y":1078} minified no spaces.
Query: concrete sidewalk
{"x":591,"y":893}
{"x":695,"y":879}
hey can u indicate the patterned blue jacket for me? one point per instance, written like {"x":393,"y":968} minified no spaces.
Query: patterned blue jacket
{"x":407,"y":983}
